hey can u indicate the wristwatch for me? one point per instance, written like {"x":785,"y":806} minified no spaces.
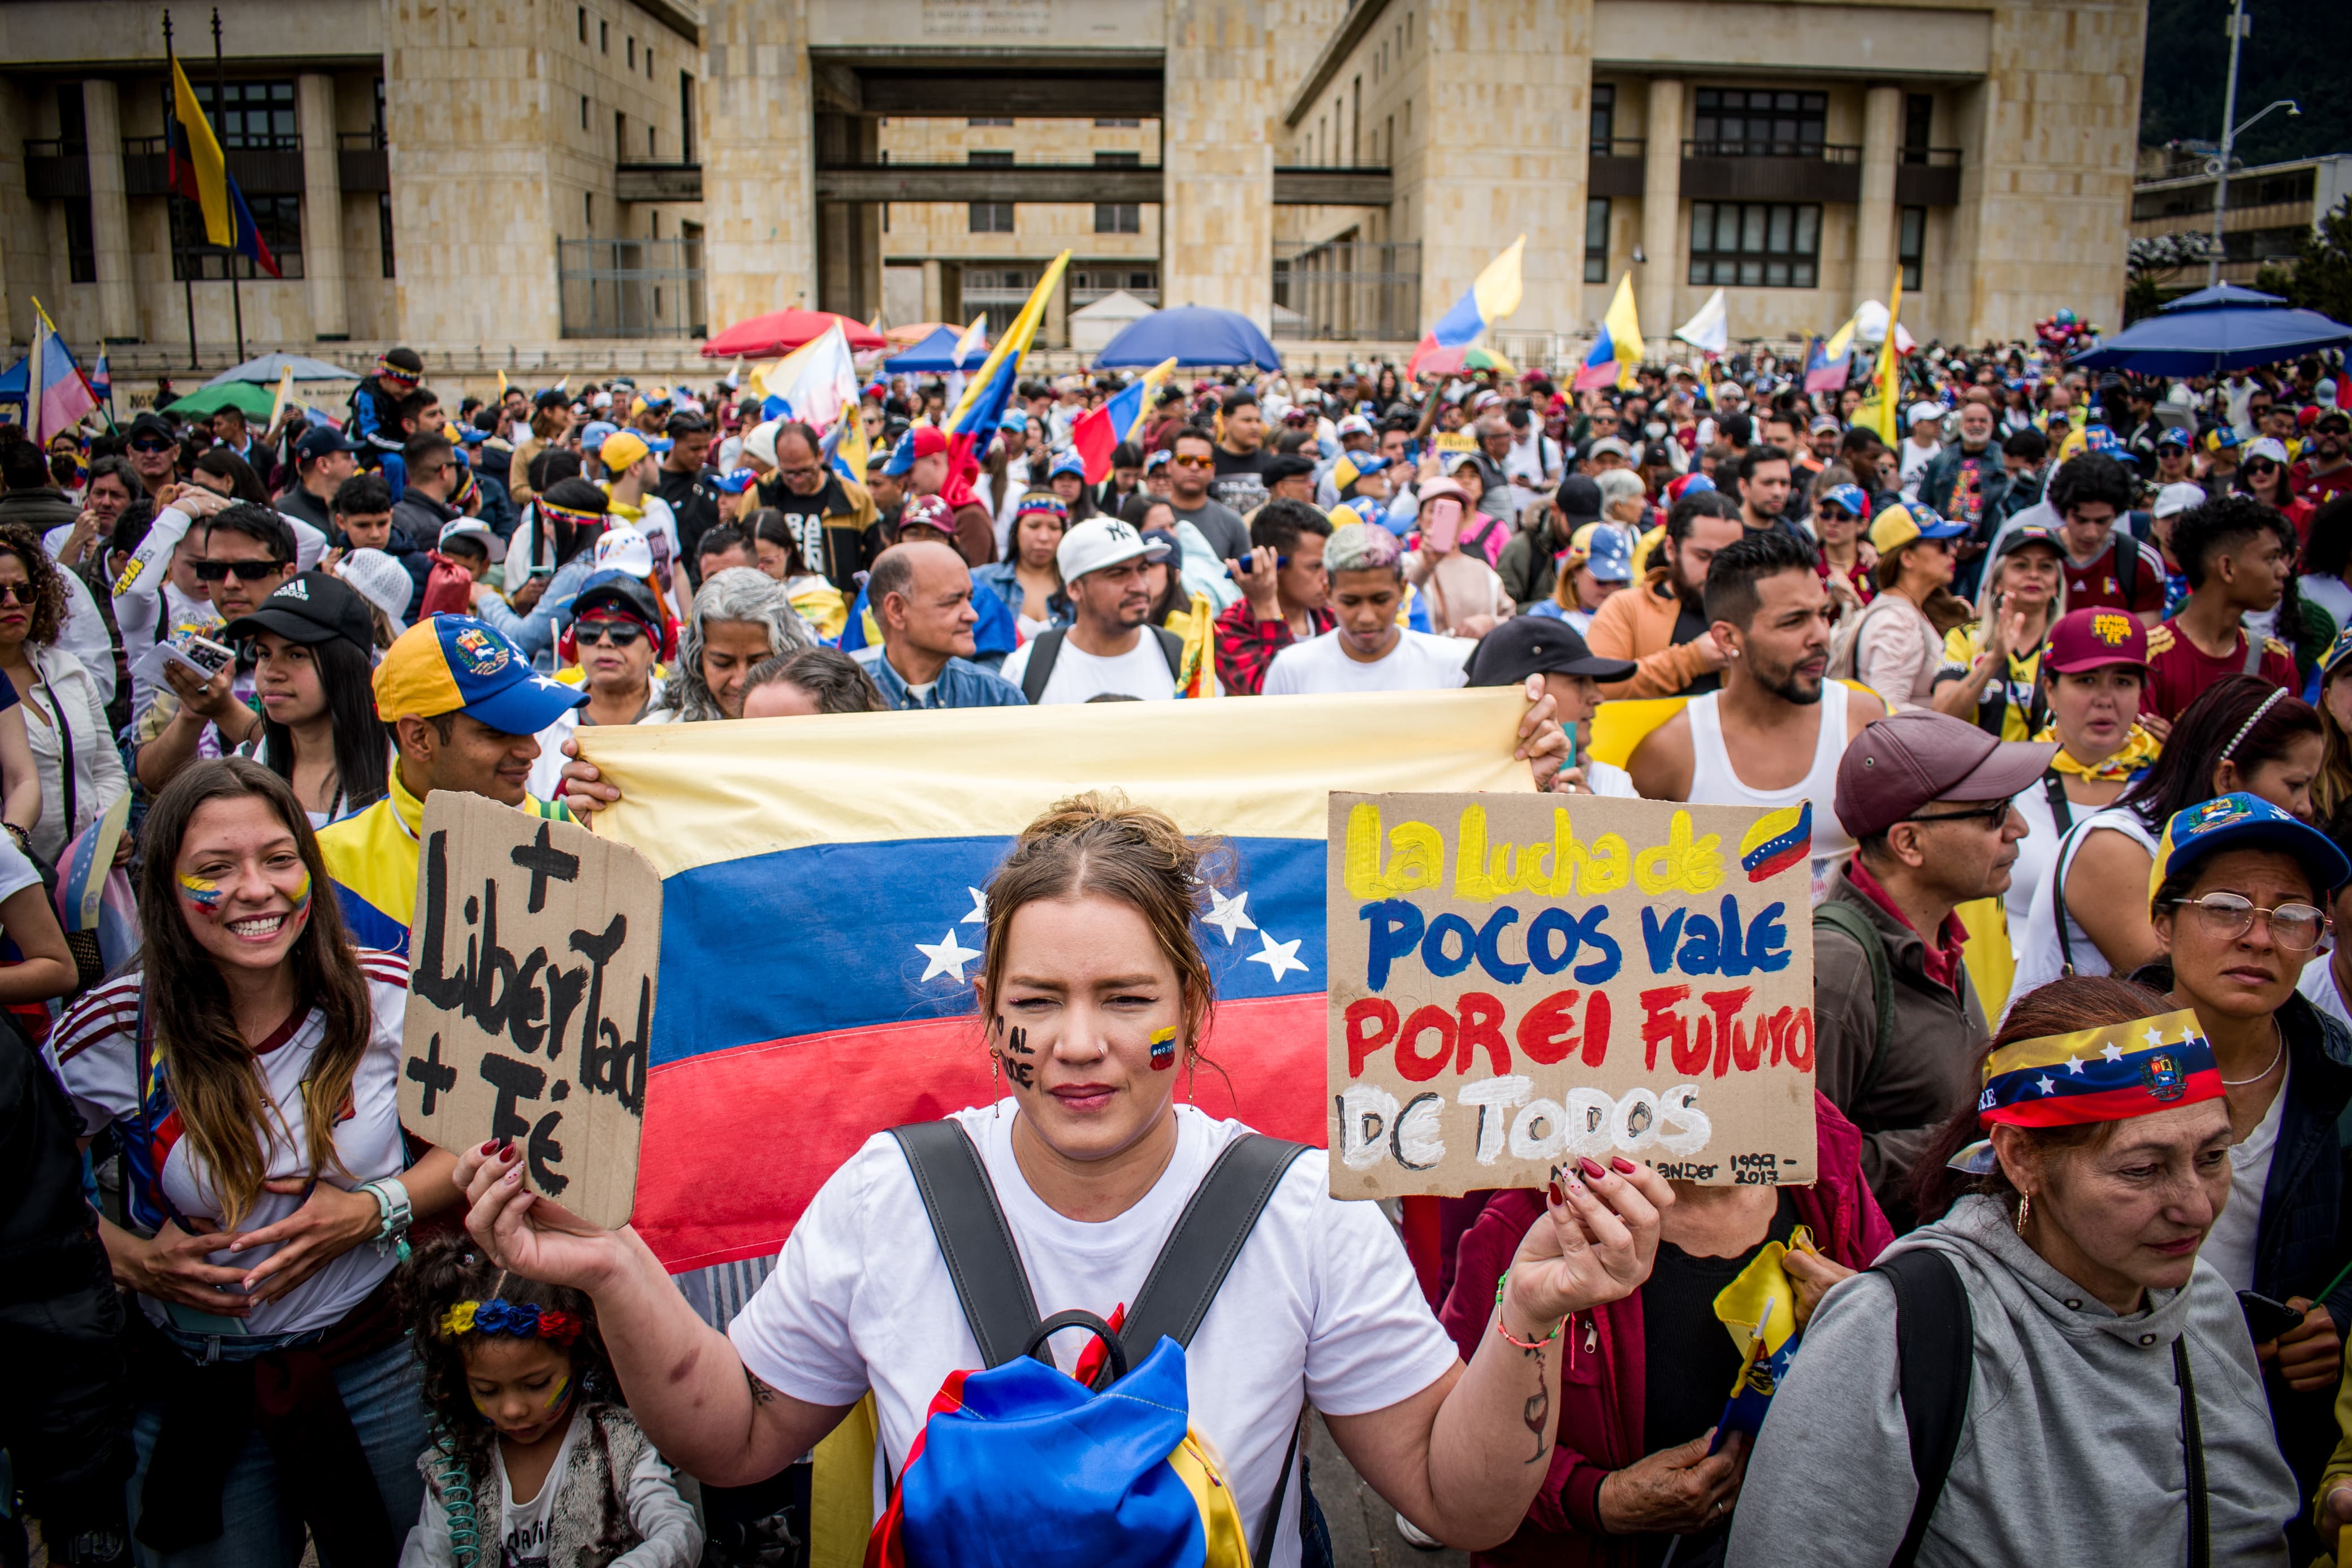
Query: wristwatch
{"x":393,"y":1215}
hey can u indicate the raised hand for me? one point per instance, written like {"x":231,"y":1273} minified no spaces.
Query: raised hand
{"x":1595,"y":1244}
{"x":535,"y":1237}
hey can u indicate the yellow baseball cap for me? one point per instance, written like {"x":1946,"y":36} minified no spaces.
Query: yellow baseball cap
{"x":1905,"y":521}
{"x":624,"y":448}
{"x":455,"y":664}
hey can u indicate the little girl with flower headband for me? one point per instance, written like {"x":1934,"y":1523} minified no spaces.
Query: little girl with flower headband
{"x":536,"y":1463}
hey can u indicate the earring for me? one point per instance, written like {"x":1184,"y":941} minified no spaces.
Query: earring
{"x":2024,"y":1210}
{"x":996,"y":1083}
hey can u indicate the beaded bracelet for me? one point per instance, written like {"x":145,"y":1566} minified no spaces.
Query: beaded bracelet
{"x":1500,"y":1286}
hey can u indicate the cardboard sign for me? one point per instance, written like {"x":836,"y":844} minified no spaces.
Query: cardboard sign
{"x":1517,"y":980}
{"x":532,"y":959}
{"x":1453,"y":440}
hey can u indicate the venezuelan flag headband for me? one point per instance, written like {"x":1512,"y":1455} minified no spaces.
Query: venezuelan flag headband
{"x":392,"y":375}
{"x":524,"y":1320}
{"x":2102,"y":1074}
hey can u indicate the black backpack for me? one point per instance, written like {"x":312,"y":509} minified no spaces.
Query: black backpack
{"x":1048,"y":648}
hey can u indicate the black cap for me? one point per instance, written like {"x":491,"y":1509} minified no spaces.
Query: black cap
{"x":312,"y":608}
{"x":149,"y":422}
{"x":1539,"y":645}
{"x":1578,"y":499}
{"x":321,"y":440}
{"x":1286,"y":466}
{"x":617,"y":590}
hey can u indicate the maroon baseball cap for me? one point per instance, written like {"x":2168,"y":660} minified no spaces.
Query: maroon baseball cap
{"x":927,"y":512}
{"x":2088,"y":638}
{"x":1897,"y":765}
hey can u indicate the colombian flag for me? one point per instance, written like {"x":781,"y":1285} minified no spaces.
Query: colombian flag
{"x":1828,"y":364}
{"x":1098,"y":432}
{"x":197,"y":170}
{"x":1615,"y":353}
{"x":824,"y":910}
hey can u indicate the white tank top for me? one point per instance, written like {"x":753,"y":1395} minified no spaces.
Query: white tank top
{"x":2039,"y":957}
{"x":1714,"y":782}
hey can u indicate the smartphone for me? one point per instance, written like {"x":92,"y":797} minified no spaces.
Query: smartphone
{"x":207,"y":656}
{"x":2266,"y":1319}
{"x":1443,"y":526}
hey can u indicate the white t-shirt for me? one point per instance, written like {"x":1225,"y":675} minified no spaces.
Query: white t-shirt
{"x":2230,"y":1245}
{"x":668,"y":1534}
{"x":16,"y":873}
{"x":94,"y":1051}
{"x":1419,"y":662}
{"x":1140,"y":671}
{"x":1321,"y":1304}
{"x":2318,"y":987}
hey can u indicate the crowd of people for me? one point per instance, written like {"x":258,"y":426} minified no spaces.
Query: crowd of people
{"x":2062,"y":679}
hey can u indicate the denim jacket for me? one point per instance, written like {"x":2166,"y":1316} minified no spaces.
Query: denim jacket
{"x":1005,"y":577}
{"x":961,"y":683}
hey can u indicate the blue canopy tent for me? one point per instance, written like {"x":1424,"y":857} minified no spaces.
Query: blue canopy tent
{"x":14,"y":379}
{"x":2214,"y":331}
{"x":936,"y":353}
{"x":1191,"y":335}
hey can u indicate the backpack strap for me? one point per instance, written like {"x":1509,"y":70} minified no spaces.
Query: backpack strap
{"x":2126,"y":565}
{"x":2255,"y":648}
{"x":1935,"y":1351}
{"x":1208,"y":1237}
{"x":1040,"y":669}
{"x":2192,"y":1441}
{"x":1172,"y":648}
{"x":973,"y":1238}
{"x":1855,"y":928}
{"x":2061,"y":810}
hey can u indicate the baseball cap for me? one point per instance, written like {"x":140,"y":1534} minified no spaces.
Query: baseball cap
{"x":617,"y":591}
{"x":927,"y":512}
{"x":1355,"y":424}
{"x":1922,"y":411}
{"x":1851,"y":500}
{"x":2093,"y":638}
{"x":2025,"y":534}
{"x":626,"y":447}
{"x":321,"y":441}
{"x":1578,"y":499}
{"x":1897,"y":765}
{"x":1289,"y":466}
{"x":759,"y":442}
{"x":2335,"y":416}
{"x":1608,"y":552}
{"x":382,"y":582}
{"x":1538,"y":645}
{"x":1100,"y":542}
{"x":922,"y":441}
{"x":2269,"y":446}
{"x":1608,"y":446}
{"x":473,"y":528}
{"x":1908,"y":520}
{"x":1160,"y":459}
{"x":2173,"y":436}
{"x":2240,"y":823}
{"x":2178,"y":497}
{"x":455,"y":664}
{"x":2222,"y":438}
{"x":1354,"y":466}
{"x":2337,"y":652}
{"x":311,"y":608}
{"x":1825,"y":423}
{"x":594,"y":434}
{"x":624,"y":548}
{"x":150,"y":423}
{"x":1067,"y":462}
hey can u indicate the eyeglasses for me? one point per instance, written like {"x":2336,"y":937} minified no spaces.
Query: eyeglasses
{"x":2261,"y":465}
{"x":153,"y":445}
{"x":2297,"y":927}
{"x":1996,"y":811}
{"x":1193,"y":462}
{"x":615,"y":633}
{"x":246,"y":571}
{"x":22,"y":593}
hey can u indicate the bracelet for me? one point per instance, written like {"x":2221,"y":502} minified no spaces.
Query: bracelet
{"x":393,"y":1213}
{"x":23,"y":836}
{"x":1502,"y":1284}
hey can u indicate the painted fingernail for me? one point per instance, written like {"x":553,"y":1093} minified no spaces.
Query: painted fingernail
{"x":513,"y":1176}
{"x":490,"y":1148}
{"x":508,"y":1154}
{"x":1557,"y":1197}
{"x":1593,"y":1169}
{"x":1624,"y":1165}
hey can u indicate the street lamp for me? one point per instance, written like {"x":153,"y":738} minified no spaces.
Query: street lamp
{"x":2220,"y":167}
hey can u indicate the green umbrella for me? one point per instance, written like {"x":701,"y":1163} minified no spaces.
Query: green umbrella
{"x":255,"y":400}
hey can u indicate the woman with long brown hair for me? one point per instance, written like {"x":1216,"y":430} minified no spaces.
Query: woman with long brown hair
{"x":249,"y":1066}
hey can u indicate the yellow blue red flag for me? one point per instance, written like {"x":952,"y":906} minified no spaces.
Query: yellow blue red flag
{"x":1618,"y":350}
{"x":196,"y":169}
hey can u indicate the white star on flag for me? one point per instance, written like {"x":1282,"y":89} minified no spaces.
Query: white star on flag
{"x":948,"y":957}
{"x":2112,"y":1052}
{"x":2075,"y":1065}
{"x":1279,"y":957}
{"x":979,"y":916}
{"x":1228,"y":916}
{"x":2047,"y":1086}
{"x":2154,"y":1037}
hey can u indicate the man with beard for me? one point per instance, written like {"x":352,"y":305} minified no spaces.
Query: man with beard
{"x":1109,"y":648}
{"x":1767,"y":611}
{"x":2326,"y":473}
{"x":1660,"y":624}
{"x":828,"y":515}
{"x":1762,"y":479}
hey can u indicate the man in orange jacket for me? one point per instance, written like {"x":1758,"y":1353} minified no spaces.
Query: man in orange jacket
{"x":1660,"y":625}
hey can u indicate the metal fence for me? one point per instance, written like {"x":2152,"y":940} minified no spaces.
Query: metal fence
{"x":631,"y":287}
{"x":1347,"y":289}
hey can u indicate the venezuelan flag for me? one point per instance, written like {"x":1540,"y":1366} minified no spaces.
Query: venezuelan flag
{"x":972,"y":424}
{"x":198,"y":170}
{"x":1618,"y":350}
{"x":824,"y":913}
{"x":1492,"y":296}
{"x":1098,"y":432}
{"x":1777,"y":841}
{"x":1827,"y":365}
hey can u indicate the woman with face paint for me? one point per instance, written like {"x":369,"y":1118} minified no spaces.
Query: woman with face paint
{"x":1094,"y":997}
{"x":248,"y":1067}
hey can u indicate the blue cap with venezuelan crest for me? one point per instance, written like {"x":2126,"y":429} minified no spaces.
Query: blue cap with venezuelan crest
{"x":2244,"y":822}
{"x":455,"y":664}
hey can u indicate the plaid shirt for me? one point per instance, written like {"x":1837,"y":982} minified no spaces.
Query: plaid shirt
{"x":1246,"y":645}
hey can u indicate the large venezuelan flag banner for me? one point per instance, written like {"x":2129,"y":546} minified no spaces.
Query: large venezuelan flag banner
{"x":822,"y":913}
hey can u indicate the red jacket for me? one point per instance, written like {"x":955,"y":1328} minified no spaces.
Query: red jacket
{"x":1600,"y":1386}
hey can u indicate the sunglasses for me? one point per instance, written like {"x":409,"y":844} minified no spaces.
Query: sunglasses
{"x":154,"y":445}
{"x":614,"y":633}
{"x":1193,"y":462}
{"x":1996,"y":811}
{"x":22,"y":593}
{"x":2261,"y":465}
{"x":246,"y":571}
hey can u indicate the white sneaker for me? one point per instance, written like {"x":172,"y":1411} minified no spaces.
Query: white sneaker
{"x":1416,"y":1538}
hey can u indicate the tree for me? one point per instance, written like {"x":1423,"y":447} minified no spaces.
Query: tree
{"x":2153,"y":262}
{"x":2321,"y":276}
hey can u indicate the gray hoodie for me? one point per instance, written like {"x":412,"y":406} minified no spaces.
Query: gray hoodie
{"x":2073,"y":1450}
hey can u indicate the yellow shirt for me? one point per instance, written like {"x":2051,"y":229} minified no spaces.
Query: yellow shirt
{"x":372,"y":858}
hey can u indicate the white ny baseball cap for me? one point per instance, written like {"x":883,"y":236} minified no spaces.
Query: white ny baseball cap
{"x":1100,"y":542}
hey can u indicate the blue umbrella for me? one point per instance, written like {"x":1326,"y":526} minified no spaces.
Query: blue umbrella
{"x":936,"y":353}
{"x":2213,"y":331}
{"x":13,"y":379}
{"x":1191,"y":335}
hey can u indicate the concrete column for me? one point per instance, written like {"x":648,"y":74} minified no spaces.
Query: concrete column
{"x":110,"y":210}
{"x":935,"y":303}
{"x":1217,"y":150}
{"x":1053,"y":331}
{"x":759,"y":167}
{"x":322,"y":208}
{"x":1873,"y":226}
{"x":1662,"y":234}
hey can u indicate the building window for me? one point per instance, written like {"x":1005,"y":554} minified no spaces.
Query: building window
{"x":588,"y":212}
{"x":1911,"y":243}
{"x":686,"y":116}
{"x":603,"y":37}
{"x":1768,"y":244}
{"x":277,"y":219}
{"x":1596,"y":240}
{"x":1118,"y":218}
{"x":620,"y":134}
{"x":991,"y":217}
{"x":978,"y":120}
{"x":584,"y":112}
{"x":584,"y":35}
{"x":1757,"y":122}
{"x":649,"y":62}
{"x":989,"y":160}
{"x":1919,"y":122}
{"x":633,"y":54}
{"x":652,"y":139}
{"x":81,"y":243}
{"x":252,"y":116}
{"x":1119,"y":124}
{"x":1604,"y":117}
{"x":383,"y":227}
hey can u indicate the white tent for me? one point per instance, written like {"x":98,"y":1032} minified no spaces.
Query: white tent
{"x":1092,"y":327}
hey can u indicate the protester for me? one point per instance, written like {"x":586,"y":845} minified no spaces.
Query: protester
{"x":63,"y":710}
{"x":1660,"y":622}
{"x":1530,"y":564}
{"x":2104,"y":564}
{"x":777,"y":552}
{"x":1028,"y":581}
{"x":812,"y":681}
{"x":1990,"y":666}
{"x":2325,"y":471}
{"x":1896,"y":646}
{"x":1109,"y":646}
{"x":2237,"y":556}
{"x":922,"y":596}
{"x":314,"y":648}
{"x":1465,"y":598}
{"x":721,"y":548}
{"x":575,"y":514}
{"x":1967,"y":482}
{"x":1776,"y":711}
{"x":1761,"y":485}
{"x":245,"y":553}
{"x":740,"y":619}
{"x":617,"y":634}
{"x":460,"y":704}
{"x":832,"y":518}
{"x":375,"y":403}
{"x":2242,"y":735}
{"x":275,"y":1390}
{"x":323,"y":464}
{"x":633,"y":495}
{"x":1193,"y":457}
{"x":921,"y":461}
{"x":2073,"y":1252}
{"x":1366,"y":650}
{"x":1285,"y":594}
{"x":1597,"y":564}
{"x":1571,"y":676}
{"x":1320,"y":1304}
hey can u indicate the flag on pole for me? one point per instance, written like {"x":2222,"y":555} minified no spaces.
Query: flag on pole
{"x":1098,"y":432}
{"x":1710,"y":329}
{"x":195,"y":167}
{"x":1829,"y":364}
{"x":814,"y":382}
{"x":1880,"y":409}
{"x":56,"y":395}
{"x":849,"y":444}
{"x":101,"y":381}
{"x":286,"y":398}
{"x":502,"y":386}
{"x":1492,"y":298}
{"x":1615,"y":353}
{"x":972,"y":424}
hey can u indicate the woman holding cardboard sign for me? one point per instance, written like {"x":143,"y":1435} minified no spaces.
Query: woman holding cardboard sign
{"x":249,"y":1066}
{"x":1095,"y":994}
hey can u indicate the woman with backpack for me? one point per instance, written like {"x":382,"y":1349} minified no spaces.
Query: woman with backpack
{"x":2046,"y":1373}
{"x":1095,"y":992}
{"x":1896,"y":646}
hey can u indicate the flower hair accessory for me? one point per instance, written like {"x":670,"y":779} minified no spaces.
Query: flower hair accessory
{"x":522,"y":1320}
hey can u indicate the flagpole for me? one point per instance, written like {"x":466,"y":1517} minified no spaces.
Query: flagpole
{"x":220,"y":119}
{"x":186,"y":259}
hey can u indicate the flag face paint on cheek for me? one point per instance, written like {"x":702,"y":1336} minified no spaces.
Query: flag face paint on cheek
{"x":204,"y":893}
{"x":1164,"y":1049}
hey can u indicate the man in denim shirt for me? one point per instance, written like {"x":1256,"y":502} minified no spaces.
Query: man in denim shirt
{"x":921,"y":594}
